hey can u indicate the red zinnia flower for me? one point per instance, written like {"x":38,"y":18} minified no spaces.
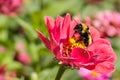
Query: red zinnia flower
{"x":10,"y":7}
{"x":76,"y":45}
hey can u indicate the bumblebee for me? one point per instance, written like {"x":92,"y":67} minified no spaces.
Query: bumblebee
{"x":84,"y":33}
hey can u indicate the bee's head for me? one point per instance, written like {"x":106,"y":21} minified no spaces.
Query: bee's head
{"x":78,"y":28}
{"x":81,"y":28}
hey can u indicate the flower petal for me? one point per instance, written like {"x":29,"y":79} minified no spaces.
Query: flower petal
{"x":102,"y":48}
{"x":44,"y":39}
{"x":105,"y":67}
{"x":49,"y":21}
{"x":80,"y":55}
{"x":65,"y":27}
{"x":56,"y":30}
{"x":94,"y":33}
{"x":84,"y":72}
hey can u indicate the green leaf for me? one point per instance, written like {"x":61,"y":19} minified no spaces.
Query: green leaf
{"x":27,"y":27}
{"x":58,"y":7}
{"x":33,"y":52}
{"x":15,"y":65}
{"x":48,"y":74}
{"x":3,"y":35}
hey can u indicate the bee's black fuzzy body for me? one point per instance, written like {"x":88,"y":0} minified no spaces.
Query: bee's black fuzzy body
{"x":83,"y":30}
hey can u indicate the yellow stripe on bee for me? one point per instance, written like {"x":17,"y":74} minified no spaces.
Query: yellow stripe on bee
{"x":90,"y":39}
{"x":84,"y":28}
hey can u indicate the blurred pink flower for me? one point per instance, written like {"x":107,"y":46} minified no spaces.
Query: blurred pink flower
{"x":21,"y":54}
{"x":92,"y":75}
{"x":108,"y":23}
{"x":2,"y":49}
{"x":10,"y":7}
{"x":23,"y":57}
{"x":20,"y":46}
{"x":71,"y":49}
{"x":6,"y":75}
{"x":2,"y":72}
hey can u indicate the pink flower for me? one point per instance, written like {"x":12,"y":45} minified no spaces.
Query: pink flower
{"x":10,"y":7}
{"x":2,"y":49}
{"x":76,"y":48}
{"x":23,"y":58}
{"x":20,"y":46}
{"x":92,"y":75}
{"x":108,"y":23}
{"x":21,"y":55}
{"x":2,"y":72}
{"x":6,"y":75}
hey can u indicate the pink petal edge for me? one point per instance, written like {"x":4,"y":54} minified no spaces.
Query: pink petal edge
{"x":45,"y":40}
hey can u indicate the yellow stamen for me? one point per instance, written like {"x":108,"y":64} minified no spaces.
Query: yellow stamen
{"x":77,"y":44}
{"x":94,"y":74}
{"x":72,"y":43}
{"x":72,"y":40}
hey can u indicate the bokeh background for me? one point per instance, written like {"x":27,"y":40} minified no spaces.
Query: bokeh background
{"x":24,"y":57}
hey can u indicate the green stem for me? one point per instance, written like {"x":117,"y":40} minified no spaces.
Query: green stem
{"x":60,"y":72}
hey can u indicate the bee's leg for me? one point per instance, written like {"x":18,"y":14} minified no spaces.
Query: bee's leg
{"x":86,"y":42}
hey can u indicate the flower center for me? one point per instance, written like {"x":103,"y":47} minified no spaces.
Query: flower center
{"x":94,"y":74}
{"x":73,"y":43}
{"x":80,"y":39}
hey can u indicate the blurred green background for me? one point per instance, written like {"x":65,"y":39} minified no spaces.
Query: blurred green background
{"x":22,"y":29}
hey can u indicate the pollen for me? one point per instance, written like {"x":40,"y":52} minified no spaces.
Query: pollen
{"x":79,"y":44}
{"x":72,"y":40}
{"x":94,"y":74}
{"x":67,"y":48}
